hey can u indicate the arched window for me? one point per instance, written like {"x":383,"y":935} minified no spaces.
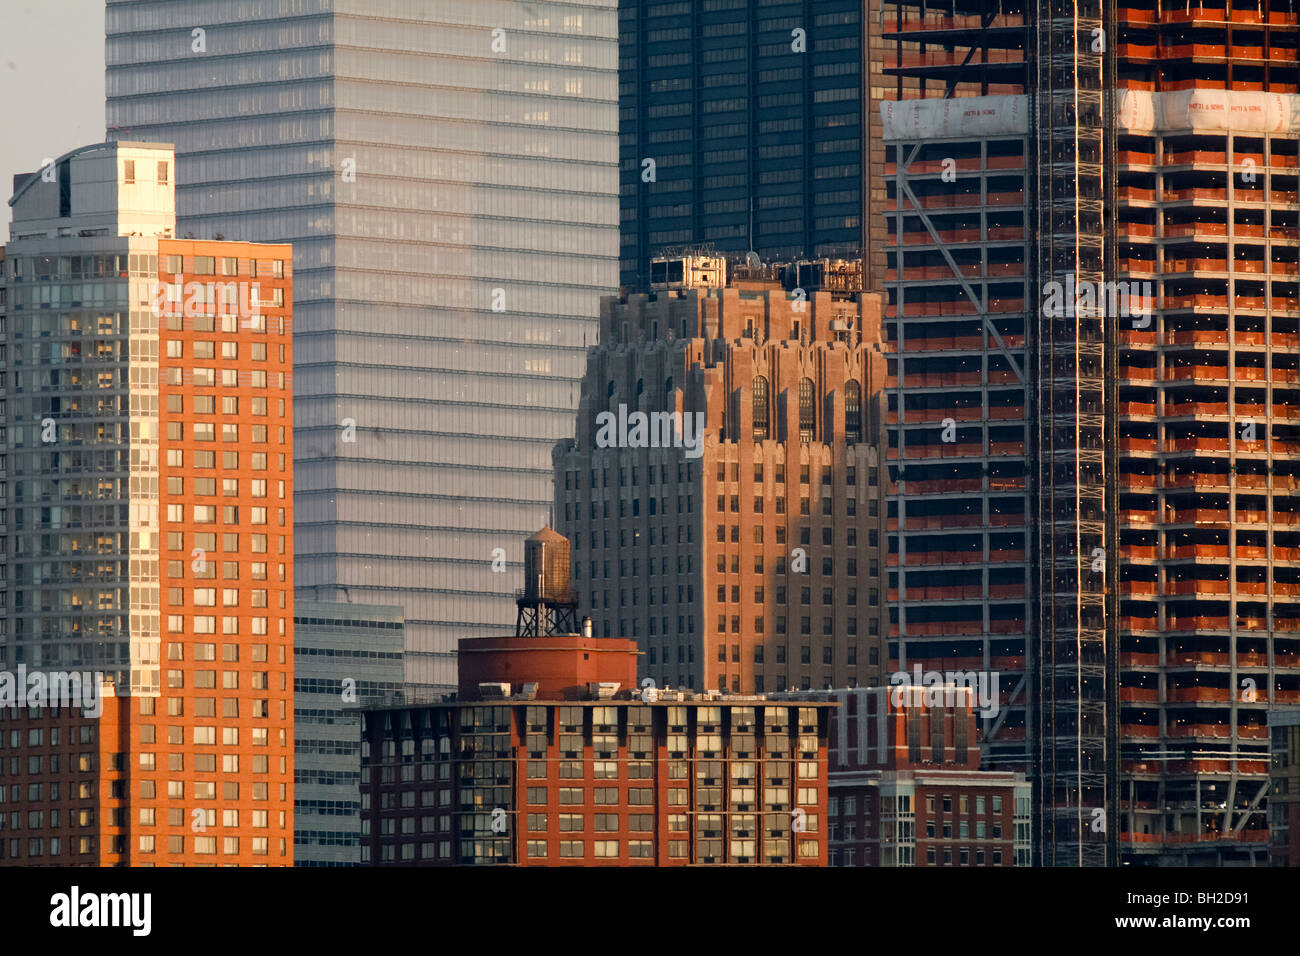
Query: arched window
{"x":761,"y":416}
{"x":853,"y":412}
{"x":807,"y":411}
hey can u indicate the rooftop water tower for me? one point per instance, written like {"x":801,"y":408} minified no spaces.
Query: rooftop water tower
{"x":546,"y":604}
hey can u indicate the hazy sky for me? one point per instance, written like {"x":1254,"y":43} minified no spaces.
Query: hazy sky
{"x":51,"y":84}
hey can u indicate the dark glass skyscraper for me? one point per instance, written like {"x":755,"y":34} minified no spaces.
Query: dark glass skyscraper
{"x":740,"y":126}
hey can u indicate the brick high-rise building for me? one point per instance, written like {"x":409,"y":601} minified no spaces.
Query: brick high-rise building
{"x":1284,"y":786}
{"x":1112,"y":516}
{"x":150,"y":464}
{"x":752,"y":563}
{"x":550,"y":756}
{"x":906,"y":783}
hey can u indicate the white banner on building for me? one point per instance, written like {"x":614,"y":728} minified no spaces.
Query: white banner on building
{"x":1238,"y":111}
{"x":1136,"y":110}
{"x":957,"y":118}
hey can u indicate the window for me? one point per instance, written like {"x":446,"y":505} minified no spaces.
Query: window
{"x":807,"y":413}
{"x":761,"y":405}
{"x":853,"y":412}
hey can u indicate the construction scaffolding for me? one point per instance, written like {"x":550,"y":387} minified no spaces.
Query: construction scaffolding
{"x":958,"y":277}
{"x":1155,"y":199}
{"x":1206,"y":409}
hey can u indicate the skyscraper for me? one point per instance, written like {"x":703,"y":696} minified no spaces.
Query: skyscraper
{"x":343,"y":654}
{"x":740,"y":543}
{"x":906,"y":788}
{"x":743,"y":125}
{"x":1093,"y":264}
{"x":446,"y":174}
{"x":150,"y":457}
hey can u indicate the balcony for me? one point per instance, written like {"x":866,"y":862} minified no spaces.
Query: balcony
{"x":1192,"y":588}
{"x":1198,"y":516}
{"x":1135,"y":157}
{"x":1127,"y":443}
{"x":1198,"y":408}
{"x":1216,"y":659}
{"x":1131,"y":623}
{"x":1218,"y":731}
{"x":1202,"y":622}
{"x":1139,"y":695}
{"x":1137,"y":230}
{"x":1196,"y":552}
{"x":1139,"y":730}
{"x":1195,"y":443}
{"x":1199,"y":695}
{"x":1135,"y":659}
{"x":1195,"y":157}
{"x":1134,"y":337}
{"x":1179,"y":230}
{"x":1144,"y":588}
{"x":1194,"y":372}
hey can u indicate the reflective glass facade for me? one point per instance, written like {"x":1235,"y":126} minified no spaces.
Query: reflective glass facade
{"x":446,"y":173}
{"x":149,"y":452}
{"x":740,"y":126}
{"x":72,"y":600}
{"x":334,"y":643}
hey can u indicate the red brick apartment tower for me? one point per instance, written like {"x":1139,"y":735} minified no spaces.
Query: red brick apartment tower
{"x":755,"y":567}
{"x":906,"y":788}
{"x":152,"y":526}
{"x":1159,"y":146}
{"x":548,"y":756}
{"x":220,"y":738}
{"x":1207,"y":413}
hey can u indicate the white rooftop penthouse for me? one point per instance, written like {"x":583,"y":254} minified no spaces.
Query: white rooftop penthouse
{"x":108,"y":189}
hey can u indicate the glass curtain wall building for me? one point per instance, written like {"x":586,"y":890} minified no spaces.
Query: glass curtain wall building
{"x":741,"y":127}
{"x":446,"y":172}
{"x":342,"y":655}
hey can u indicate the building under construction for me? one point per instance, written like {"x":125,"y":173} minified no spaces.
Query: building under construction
{"x":1092,"y":408}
